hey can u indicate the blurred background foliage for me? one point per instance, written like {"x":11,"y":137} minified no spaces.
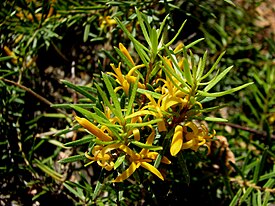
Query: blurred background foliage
{"x":43,"y":42}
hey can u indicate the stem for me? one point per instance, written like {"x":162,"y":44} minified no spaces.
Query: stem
{"x":248,"y":129}
{"x":42,"y":99}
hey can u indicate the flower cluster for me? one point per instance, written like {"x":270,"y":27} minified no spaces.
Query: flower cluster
{"x":166,"y":108}
{"x":148,"y":107}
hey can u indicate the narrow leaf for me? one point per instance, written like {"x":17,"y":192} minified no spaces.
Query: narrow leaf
{"x":113,"y":95}
{"x":132,"y":97}
{"x":146,"y":146}
{"x":79,"y":89}
{"x":72,"y":190}
{"x":119,"y":161}
{"x":214,"y":81}
{"x":72,"y":159}
{"x":175,"y":37}
{"x":81,"y":141}
{"x":213,"y":67}
{"x":219,"y":94}
{"x":86,"y":32}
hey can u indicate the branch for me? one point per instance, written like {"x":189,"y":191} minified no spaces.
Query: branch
{"x":248,"y":129}
{"x":42,"y":99}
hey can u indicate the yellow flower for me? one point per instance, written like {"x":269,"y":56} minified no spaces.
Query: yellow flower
{"x":93,"y":129}
{"x":177,"y":140}
{"x":126,"y":53}
{"x":183,"y":139}
{"x":125,"y":81}
{"x":106,"y":21}
{"x":172,"y":96}
{"x":141,"y":159}
{"x":155,"y":111}
{"x":104,"y":160}
{"x":11,"y":54}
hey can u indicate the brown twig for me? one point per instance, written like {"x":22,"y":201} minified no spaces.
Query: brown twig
{"x":248,"y":129}
{"x":244,"y":183}
{"x":42,"y":99}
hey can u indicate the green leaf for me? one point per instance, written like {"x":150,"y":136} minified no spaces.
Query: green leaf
{"x":214,"y":119}
{"x":81,"y":141}
{"x":97,"y":118}
{"x":65,"y":131}
{"x":143,"y":124}
{"x":202,"y":66}
{"x":230,"y":2}
{"x":267,"y":176}
{"x":98,"y":185}
{"x":146,"y":146}
{"x":165,"y":144}
{"x":72,"y":190}
{"x":193,"y":43}
{"x":132,"y":97}
{"x":105,"y":142}
{"x":68,"y":106}
{"x":214,"y":81}
{"x":48,"y":170}
{"x":138,"y":46}
{"x":86,"y":32}
{"x":57,"y":143}
{"x":187,"y":72}
{"x":246,"y":194}
{"x":153,"y":94}
{"x":213,"y":67}
{"x":163,"y":23}
{"x":259,"y":167}
{"x":113,"y":96}
{"x":107,"y":102}
{"x":177,"y":34}
{"x":219,"y":94}
{"x":5,"y":58}
{"x":84,"y":112}
{"x":210,"y":109}
{"x":154,"y":42}
{"x":143,"y":28}
{"x":169,"y":72}
{"x":119,"y":161}
{"x":236,"y":198}
{"x":79,"y":89}
{"x":178,"y":72}
{"x":72,"y":159}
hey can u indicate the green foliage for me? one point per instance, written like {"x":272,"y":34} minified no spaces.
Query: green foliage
{"x":43,"y":155}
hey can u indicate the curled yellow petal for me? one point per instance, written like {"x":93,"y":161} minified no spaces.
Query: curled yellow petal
{"x":153,"y":156}
{"x":136,"y":134}
{"x":93,"y":129}
{"x":126,"y":53}
{"x":161,"y":126}
{"x":188,"y":144}
{"x":193,"y":126}
{"x":177,"y":141}
{"x":11,"y":54}
{"x":165,"y":160}
{"x":127,"y":173}
{"x":168,"y":62}
{"x":127,"y":150}
{"x":110,"y":21}
{"x":131,"y":72}
{"x":179,"y":47}
{"x":152,"y":169}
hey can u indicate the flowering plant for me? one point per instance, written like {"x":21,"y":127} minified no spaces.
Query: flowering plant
{"x":149,"y":110}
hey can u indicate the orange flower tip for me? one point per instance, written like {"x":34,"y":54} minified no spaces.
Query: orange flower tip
{"x":174,"y":152}
{"x":115,"y":181}
{"x":161,"y":177}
